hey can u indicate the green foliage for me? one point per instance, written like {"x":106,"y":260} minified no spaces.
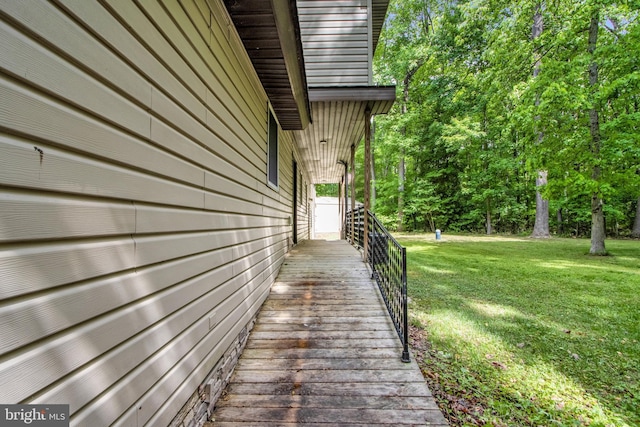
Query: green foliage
{"x":327,"y":190}
{"x":474,"y":126}
{"x":509,"y":347}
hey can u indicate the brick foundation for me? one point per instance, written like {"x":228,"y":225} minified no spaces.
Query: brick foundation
{"x":198,"y":408}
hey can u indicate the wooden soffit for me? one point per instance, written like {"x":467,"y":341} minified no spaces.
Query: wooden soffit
{"x":270,"y":32}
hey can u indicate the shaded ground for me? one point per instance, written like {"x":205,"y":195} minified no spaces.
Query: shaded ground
{"x":459,"y":407}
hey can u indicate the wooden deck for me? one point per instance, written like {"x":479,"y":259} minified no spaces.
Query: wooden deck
{"x":324,"y":352}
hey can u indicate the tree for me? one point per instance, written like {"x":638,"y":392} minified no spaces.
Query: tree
{"x":541,"y":224}
{"x":598,"y":232}
{"x":487,"y":103}
{"x":588,"y":110}
{"x":403,"y":53}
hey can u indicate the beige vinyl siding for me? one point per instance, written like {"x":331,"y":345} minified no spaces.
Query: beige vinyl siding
{"x":304,"y":231}
{"x":138,"y":234}
{"x":287,"y":156}
{"x":336,"y":42}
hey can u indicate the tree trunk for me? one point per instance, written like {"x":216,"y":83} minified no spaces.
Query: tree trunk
{"x":597,"y":226}
{"x":541,"y":224}
{"x":401,"y":192}
{"x":432,"y":224}
{"x":401,"y":163}
{"x":373,"y":166}
{"x":489,"y":226}
{"x":597,"y":204}
{"x":404,"y":108}
{"x":636,"y":225}
{"x":560,"y":225}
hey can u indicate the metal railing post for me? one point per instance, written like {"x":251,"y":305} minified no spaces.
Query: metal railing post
{"x":405,"y":308}
{"x":372,"y":249}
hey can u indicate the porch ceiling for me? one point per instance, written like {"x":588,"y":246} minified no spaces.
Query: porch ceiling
{"x":337,"y":122}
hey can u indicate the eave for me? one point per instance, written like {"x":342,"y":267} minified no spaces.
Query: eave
{"x":270,"y":33}
{"x":379,"y":99}
{"x":378,"y":15}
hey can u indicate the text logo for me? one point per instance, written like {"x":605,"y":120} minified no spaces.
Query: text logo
{"x":34,"y":415}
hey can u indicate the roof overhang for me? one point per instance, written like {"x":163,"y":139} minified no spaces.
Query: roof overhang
{"x":378,"y":15}
{"x":379,"y":99}
{"x":338,"y":120}
{"x":270,"y":33}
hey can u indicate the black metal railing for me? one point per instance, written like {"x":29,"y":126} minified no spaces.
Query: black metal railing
{"x":357,"y":237}
{"x":388,"y":261}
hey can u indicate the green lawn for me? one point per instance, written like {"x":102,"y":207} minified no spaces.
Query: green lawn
{"x":523,"y":332}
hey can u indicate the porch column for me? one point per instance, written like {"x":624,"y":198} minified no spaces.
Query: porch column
{"x":343,"y":201}
{"x":353,"y":191}
{"x":367,"y":178}
{"x":341,"y":210}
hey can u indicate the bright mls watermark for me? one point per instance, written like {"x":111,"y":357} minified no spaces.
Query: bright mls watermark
{"x":34,"y":415}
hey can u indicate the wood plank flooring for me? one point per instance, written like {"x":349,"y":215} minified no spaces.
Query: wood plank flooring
{"x":323,"y":352}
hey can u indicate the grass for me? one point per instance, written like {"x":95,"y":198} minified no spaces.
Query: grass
{"x":523,"y":332}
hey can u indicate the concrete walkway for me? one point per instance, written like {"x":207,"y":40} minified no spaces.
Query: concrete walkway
{"x":324,"y":352}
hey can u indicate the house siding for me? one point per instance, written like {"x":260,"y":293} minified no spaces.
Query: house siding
{"x":336,"y":40}
{"x":138,"y":235}
{"x":304,"y":226}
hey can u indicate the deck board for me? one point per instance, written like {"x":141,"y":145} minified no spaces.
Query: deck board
{"x":324,"y":352}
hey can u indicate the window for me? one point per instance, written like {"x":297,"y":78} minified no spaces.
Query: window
{"x":272,"y":152}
